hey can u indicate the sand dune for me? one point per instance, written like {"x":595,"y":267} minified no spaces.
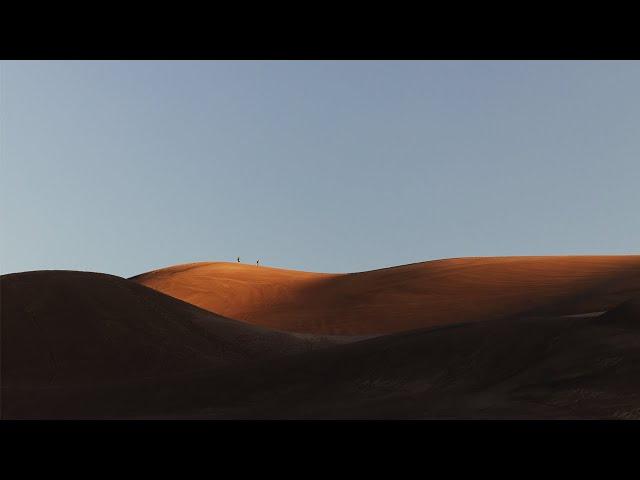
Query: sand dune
{"x":405,"y":297}
{"x":560,"y":339}
{"x":518,"y":367}
{"x":61,"y":328}
{"x":521,"y":367}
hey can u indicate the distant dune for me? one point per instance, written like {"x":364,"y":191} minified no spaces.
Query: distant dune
{"x":405,"y":297}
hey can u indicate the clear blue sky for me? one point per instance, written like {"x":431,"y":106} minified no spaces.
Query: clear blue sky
{"x":124,"y":167}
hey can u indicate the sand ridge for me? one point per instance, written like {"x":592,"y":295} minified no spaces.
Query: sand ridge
{"x":402,"y":298}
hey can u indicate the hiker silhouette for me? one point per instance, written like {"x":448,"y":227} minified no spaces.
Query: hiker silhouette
{"x":238,"y":259}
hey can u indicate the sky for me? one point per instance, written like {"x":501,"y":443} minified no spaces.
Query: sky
{"x":327,"y":166}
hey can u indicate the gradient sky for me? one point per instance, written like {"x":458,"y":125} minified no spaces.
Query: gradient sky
{"x":124,"y":167}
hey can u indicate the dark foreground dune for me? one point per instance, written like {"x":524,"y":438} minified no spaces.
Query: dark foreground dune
{"x":402,"y":298}
{"x":517,"y":368}
{"x":84,"y":345}
{"x":76,"y":328}
{"x":540,"y":368}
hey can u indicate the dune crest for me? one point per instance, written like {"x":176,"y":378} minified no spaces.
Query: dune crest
{"x":405,"y":297}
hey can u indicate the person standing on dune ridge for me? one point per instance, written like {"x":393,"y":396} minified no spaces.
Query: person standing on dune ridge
{"x":257,"y":263}
{"x":238,"y":259}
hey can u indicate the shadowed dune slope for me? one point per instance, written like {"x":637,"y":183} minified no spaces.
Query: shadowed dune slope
{"x":518,"y":367}
{"x":64,"y":327}
{"x":405,"y":297}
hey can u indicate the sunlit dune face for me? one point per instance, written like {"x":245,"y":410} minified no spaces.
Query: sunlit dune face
{"x":402,"y":298}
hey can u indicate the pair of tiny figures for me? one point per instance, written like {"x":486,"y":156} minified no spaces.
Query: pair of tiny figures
{"x":257,"y":262}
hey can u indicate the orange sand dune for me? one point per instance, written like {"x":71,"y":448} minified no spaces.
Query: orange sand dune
{"x":405,"y":297}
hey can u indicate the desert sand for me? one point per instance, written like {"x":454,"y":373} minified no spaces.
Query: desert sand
{"x":527,"y":337}
{"x":62,"y":327}
{"x":405,"y":297}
